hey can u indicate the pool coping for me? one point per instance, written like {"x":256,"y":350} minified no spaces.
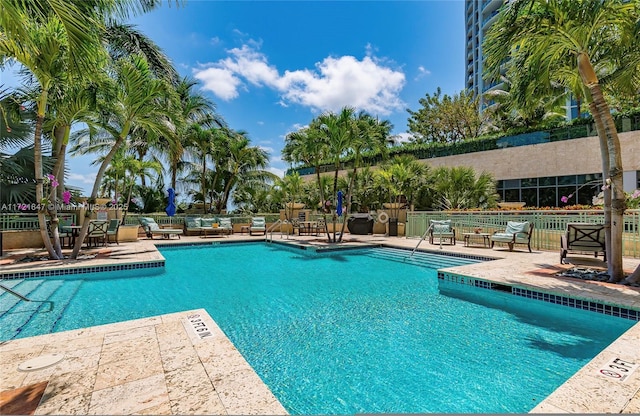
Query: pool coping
{"x":575,"y":395}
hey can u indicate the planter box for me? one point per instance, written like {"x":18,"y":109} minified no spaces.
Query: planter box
{"x":128,"y":233}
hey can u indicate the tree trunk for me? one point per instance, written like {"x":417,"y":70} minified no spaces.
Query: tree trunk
{"x":604,"y":151}
{"x":618,"y":201}
{"x":614,"y":173}
{"x":94,"y":192}
{"x":37,"y":163}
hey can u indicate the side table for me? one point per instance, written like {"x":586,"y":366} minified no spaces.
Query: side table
{"x":485,"y":239}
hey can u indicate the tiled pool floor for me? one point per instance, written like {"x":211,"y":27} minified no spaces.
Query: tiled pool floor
{"x":158,"y":365}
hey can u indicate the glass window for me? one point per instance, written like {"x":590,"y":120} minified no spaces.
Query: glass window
{"x":586,"y":194}
{"x":569,"y":192}
{"x":548,"y":197}
{"x":500,"y":184}
{"x":547,"y":181}
{"x":567,"y":180}
{"x":589,"y":178}
{"x":511,"y":183}
{"x":512,"y":195}
{"x":529,"y":182}
{"x":530,"y":196}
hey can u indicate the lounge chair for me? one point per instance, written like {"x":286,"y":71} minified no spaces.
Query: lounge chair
{"x":583,"y":237}
{"x":515,"y":233}
{"x":258,"y":225}
{"x":112,"y":230}
{"x":443,"y":230}
{"x":152,"y":228}
{"x":96,"y":233}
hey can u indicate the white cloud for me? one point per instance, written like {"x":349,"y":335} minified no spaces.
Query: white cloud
{"x":85,"y":179}
{"x":402,"y":137}
{"x":422,"y":72}
{"x":278,"y":172}
{"x":222,"y":82}
{"x":335,"y":82}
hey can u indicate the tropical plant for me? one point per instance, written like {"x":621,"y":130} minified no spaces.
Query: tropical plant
{"x":574,"y":44}
{"x":460,"y":188}
{"x":135,"y":99}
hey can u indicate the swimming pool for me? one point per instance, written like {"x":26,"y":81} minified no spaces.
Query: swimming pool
{"x":356,"y":332}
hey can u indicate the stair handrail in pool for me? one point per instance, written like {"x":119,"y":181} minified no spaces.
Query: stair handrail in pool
{"x":422,"y":239}
{"x":270,"y":229}
{"x":22,"y":297}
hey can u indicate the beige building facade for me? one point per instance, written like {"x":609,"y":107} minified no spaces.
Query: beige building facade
{"x":541,"y":174}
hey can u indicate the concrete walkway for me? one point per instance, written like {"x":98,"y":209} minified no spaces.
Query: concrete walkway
{"x":164,"y":365}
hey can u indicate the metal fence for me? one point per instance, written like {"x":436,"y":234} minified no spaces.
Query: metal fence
{"x":22,"y":221}
{"x":548,"y":225}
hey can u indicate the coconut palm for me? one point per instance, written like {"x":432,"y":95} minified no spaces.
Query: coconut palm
{"x":573,"y":43}
{"x":237,"y":162}
{"x":136,"y":99}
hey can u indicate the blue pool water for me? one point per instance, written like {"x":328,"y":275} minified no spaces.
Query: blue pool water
{"x":367,"y":331}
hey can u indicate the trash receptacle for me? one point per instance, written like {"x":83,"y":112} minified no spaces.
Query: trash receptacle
{"x":393,"y":227}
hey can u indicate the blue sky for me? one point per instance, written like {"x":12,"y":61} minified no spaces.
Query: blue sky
{"x":271,"y":67}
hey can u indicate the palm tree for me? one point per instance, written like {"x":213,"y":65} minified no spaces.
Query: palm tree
{"x":571,"y":43}
{"x":460,"y":188}
{"x":136,"y":99}
{"x":43,"y":52}
{"x":237,"y":162}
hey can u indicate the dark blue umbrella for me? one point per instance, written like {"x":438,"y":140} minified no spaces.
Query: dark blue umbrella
{"x":339,"y":205}
{"x":171,"y":207}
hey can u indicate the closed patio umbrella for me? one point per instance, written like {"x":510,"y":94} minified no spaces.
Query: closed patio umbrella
{"x":339,"y":204}
{"x":171,"y":207}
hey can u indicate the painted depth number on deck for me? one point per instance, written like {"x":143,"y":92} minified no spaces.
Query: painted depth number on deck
{"x":199,"y":327}
{"x":618,"y":369}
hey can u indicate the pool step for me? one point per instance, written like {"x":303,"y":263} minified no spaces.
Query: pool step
{"x":43,"y":314}
{"x":49,"y":314}
{"x":24,"y":287}
{"x":430,"y":260}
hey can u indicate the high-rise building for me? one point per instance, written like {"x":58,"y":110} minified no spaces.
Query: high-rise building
{"x":480,"y":15}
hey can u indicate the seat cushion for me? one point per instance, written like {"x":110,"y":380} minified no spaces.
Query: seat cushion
{"x":504,"y":237}
{"x":441,"y":227}
{"x":207,"y":222}
{"x":193,"y":222}
{"x":517,"y":227}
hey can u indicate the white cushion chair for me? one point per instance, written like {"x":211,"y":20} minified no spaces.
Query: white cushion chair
{"x":515,"y":233}
{"x":258,"y":225}
{"x":443,"y":230}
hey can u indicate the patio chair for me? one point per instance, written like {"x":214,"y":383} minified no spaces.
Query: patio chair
{"x":515,"y":233}
{"x":226,"y":225}
{"x":258,"y":225}
{"x":443,"y":230}
{"x":583,"y":237}
{"x":96,"y":233}
{"x":152,"y":228}
{"x":112,"y":230}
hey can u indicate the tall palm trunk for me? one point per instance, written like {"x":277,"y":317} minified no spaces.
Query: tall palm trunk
{"x":607,"y":128}
{"x":94,"y":192}
{"x":37,"y":156}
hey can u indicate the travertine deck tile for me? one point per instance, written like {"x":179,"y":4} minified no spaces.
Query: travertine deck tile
{"x":131,"y":397}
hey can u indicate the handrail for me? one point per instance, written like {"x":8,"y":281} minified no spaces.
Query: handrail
{"x":422,"y":239}
{"x":279,"y":222}
{"x":26,"y":299}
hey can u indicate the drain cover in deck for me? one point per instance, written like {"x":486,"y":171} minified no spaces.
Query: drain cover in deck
{"x":41,"y":362}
